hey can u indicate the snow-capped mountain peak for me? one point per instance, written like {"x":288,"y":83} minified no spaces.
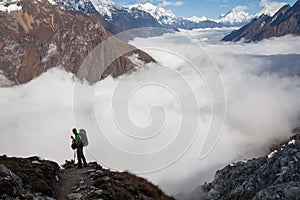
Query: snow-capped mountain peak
{"x":104,"y":7}
{"x":270,"y":9}
{"x":162,"y":15}
{"x":235,"y":16}
{"x":146,"y":7}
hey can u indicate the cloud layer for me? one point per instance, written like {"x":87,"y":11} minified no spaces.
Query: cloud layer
{"x":158,"y":117}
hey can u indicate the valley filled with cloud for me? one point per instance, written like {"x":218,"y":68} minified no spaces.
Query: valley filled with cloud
{"x":201,"y":106}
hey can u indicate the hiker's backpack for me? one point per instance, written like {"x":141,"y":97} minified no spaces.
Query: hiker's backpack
{"x":83,"y":137}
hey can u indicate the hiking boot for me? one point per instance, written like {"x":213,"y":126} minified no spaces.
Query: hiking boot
{"x":85,"y":165}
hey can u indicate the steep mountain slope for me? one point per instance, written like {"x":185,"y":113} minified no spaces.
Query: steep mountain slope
{"x":285,"y":21}
{"x":33,"y":178}
{"x":275,"y":176}
{"x":42,"y":34}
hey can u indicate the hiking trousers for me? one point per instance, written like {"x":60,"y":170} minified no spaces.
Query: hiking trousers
{"x":80,"y":157}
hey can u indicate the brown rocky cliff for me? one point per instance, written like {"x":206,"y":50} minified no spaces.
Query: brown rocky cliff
{"x":42,"y":36}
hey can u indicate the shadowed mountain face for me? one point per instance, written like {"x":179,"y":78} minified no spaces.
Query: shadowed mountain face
{"x":41,"y":36}
{"x":285,"y":21}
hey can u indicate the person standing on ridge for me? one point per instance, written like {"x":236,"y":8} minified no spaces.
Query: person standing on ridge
{"x":80,"y":155}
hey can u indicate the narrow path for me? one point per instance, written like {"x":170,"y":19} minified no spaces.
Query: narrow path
{"x":70,"y":179}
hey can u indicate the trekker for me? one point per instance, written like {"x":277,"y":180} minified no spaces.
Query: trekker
{"x":80,"y":155}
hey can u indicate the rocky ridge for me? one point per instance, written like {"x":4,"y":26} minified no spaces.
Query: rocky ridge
{"x":27,"y":178}
{"x":34,"y":178}
{"x":274,"y":176}
{"x":43,"y":35}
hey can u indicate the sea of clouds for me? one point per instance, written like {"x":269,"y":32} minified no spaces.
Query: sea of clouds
{"x":201,"y":106}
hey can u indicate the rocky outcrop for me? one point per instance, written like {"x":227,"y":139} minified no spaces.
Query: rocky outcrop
{"x":42,"y":35}
{"x":285,"y":21}
{"x":275,"y":176}
{"x":95,"y":182}
{"x":33,"y":178}
{"x":27,"y":178}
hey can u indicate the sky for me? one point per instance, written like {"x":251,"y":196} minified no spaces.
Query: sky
{"x":212,"y":9}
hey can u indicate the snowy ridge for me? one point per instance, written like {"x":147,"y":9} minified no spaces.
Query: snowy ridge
{"x":77,"y":5}
{"x":163,"y":16}
{"x":119,"y":18}
{"x":3,"y":2}
{"x":9,"y":6}
{"x":197,"y":19}
{"x":104,"y":7}
{"x":270,"y":9}
{"x":235,"y":17}
{"x":53,"y":2}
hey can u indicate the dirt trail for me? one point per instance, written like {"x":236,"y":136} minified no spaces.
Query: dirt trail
{"x":70,"y":179}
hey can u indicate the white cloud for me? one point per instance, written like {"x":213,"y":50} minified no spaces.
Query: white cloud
{"x":170,"y":3}
{"x":271,"y":4}
{"x":240,"y":8}
{"x":262,"y":87}
{"x":270,"y":7}
{"x":263,"y":3}
{"x":261,"y":95}
{"x":178,"y":3}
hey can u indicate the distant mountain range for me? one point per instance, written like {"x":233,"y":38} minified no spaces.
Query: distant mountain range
{"x":168,"y":19}
{"x":285,"y":21}
{"x":236,"y":17}
{"x":121,"y":18}
{"x":116,"y":18}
